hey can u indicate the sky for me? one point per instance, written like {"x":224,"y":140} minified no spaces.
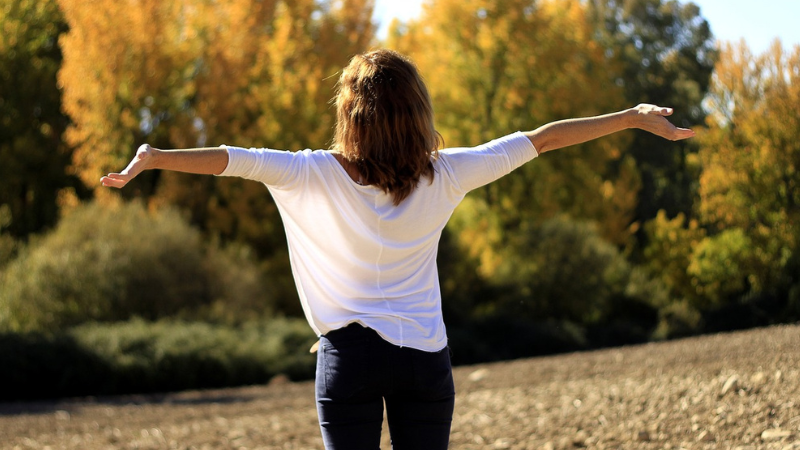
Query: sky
{"x":759,"y":22}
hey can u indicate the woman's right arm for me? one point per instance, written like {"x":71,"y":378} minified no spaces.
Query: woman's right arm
{"x":208,"y":161}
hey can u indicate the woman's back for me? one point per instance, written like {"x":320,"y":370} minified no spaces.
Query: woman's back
{"x":355,"y":255}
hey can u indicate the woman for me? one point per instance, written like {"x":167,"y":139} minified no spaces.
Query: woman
{"x":363,"y":222}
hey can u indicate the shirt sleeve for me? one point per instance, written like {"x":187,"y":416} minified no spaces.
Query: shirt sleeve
{"x":276,"y":168}
{"x":474,"y":167}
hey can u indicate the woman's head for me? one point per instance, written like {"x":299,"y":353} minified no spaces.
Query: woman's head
{"x":385,"y":122}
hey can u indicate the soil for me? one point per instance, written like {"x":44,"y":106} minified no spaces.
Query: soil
{"x":729,"y":391}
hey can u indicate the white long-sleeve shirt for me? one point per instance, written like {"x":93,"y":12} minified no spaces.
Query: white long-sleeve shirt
{"x":355,"y":256}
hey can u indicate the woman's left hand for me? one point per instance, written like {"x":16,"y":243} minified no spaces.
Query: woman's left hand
{"x":652,"y":118}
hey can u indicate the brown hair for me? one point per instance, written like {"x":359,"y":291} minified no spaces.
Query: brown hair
{"x":384,"y":122}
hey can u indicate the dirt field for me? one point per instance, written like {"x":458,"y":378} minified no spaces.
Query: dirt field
{"x":731,"y":391}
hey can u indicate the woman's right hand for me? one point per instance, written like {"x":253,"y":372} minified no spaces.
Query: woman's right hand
{"x":142,"y":161}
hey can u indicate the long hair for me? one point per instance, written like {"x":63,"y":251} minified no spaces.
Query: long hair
{"x":384,"y":122}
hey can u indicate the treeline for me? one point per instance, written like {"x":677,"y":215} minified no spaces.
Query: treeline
{"x":621,"y":240}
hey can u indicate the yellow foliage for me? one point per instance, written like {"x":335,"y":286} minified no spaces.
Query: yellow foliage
{"x":494,"y":67}
{"x":671,"y":244}
{"x":751,"y":154}
{"x":189,"y":73}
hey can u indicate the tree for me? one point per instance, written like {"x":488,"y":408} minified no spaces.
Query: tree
{"x":187,"y":73}
{"x":33,"y":157}
{"x":494,"y":67}
{"x":664,"y":52}
{"x":194,"y":73}
{"x":671,"y":244}
{"x":743,"y":244}
{"x":750,"y":155}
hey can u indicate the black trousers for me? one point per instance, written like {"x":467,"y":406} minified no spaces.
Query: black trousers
{"x":358,"y":371}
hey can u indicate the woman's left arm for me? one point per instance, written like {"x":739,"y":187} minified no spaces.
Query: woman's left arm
{"x":568,"y":132}
{"x":208,"y":161}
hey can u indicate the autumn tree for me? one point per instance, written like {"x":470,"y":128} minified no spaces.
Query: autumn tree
{"x":194,"y":73}
{"x":663,"y":52}
{"x":494,"y":67}
{"x":749,"y":196}
{"x":33,"y":158}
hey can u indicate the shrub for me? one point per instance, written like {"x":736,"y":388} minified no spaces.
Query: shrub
{"x":112,"y":263}
{"x":671,"y":244}
{"x":238,"y":287}
{"x":678,"y":319}
{"x":555,"y":286}
{"x":561,"y":270}
{"x":8,"y":244}
{"x":719,"y":267}
{"x":142,"y":357}
{"x":37,"y":366}
{"x":505,"y":336}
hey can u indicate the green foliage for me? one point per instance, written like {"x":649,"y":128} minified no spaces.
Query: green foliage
{"x":115,"y":262}
{"x":497,"y":66}
{"x":664,"y":53}
{"x":677,"y":319}
{"x":197,"y":73}
{"x":505,"y":336}
{"x":559,"y":285}
{"x":562,"y":270}
{"x":671,"y":245}
{"x":719,"y":265}
{"x":39,"y":366}
{"x":141,"y":357}
{"x":238,"y":287}
{"x":751,"y":158}
{"x":33,"y":157}
{"x":790,"y":286}
{"x":8,"y":245}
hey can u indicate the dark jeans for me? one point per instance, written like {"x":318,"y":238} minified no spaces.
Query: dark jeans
{"x":357,"y":371}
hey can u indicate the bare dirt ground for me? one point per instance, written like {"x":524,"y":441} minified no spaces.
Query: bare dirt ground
{"x":729,"y":391}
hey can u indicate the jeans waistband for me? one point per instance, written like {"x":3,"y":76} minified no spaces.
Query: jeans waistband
{"x":351,"y":331}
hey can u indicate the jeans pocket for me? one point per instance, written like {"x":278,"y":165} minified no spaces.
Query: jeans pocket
{"x":434,"y":376}
{"x":346,"y":367}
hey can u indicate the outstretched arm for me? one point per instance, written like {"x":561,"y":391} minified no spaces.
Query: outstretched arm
{"x":209,"y":161}
{"x":568,"y":132}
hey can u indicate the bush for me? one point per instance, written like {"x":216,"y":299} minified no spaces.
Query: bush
{"x":504,"y":336}
{"x":669,"y":251}
{"x":143,"y":357}
{"x":719,"y":267}
{"x":237,"y":287}
{"x":112,"y":263}
{"x":557,"y":286}
{"x":678,"y":319}
{"x":561,"y":270}
{"x":37,"y":366}
{"x":8,"y":244}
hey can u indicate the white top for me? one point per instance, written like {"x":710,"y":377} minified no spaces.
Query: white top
{"x":355,"y":256}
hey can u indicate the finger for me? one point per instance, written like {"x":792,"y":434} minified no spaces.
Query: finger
{"x":683,"y":133}
{"x":111,"y":180}
{"x":119,"y":176}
